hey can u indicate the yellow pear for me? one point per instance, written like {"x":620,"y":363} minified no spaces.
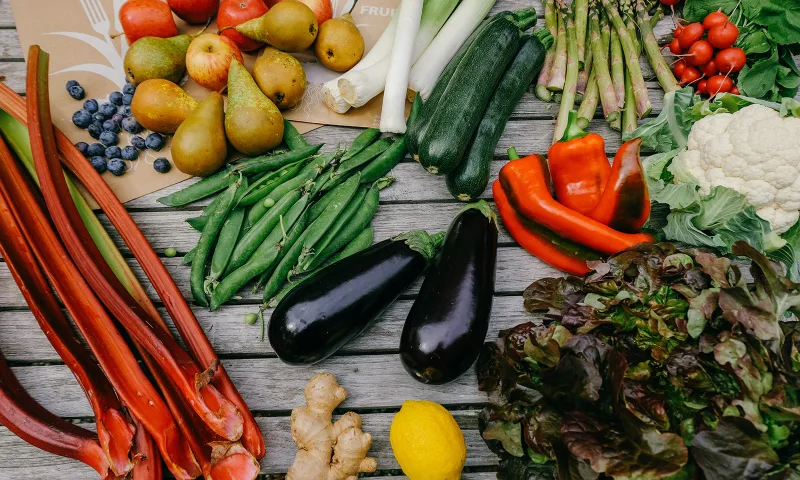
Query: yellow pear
{"x":199,"y":147}
{"x":253,"y":123}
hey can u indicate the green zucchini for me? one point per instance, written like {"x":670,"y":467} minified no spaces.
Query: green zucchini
{"x":470,"y":89}
{"x":470,"y":178}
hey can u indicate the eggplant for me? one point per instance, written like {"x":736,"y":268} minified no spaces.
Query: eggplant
{"x":336,"y":304}
{"x":448,"y":322}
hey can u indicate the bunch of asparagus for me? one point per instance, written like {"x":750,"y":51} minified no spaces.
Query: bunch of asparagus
{"x":595,"y":58}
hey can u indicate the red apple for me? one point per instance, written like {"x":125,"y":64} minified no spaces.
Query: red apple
{"x":321,"y":8}
{"x":146,"y":18}
{"x":194,"y":11}
{"x":236,"y":12}
{"x":209,"y":58}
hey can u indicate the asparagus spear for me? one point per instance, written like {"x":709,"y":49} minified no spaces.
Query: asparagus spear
{"x":571,"y":79}
{"x":600,"y":62}
{"x":590,"y":100}
{"x":583,"y":75}
{"x":643,"y":105}
{"x":581,"y":10}
{"x":617,"y":69}
{"x":657,"y":61}
{"x":629,"y":122}
{"x":558,"y":72}
{"x":629,"y":15}
{"x":551,"y":24}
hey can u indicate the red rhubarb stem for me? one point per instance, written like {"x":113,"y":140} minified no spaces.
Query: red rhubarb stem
{"x":188,"y":327}
{"x":219,"y":414}
{"x":148,"y":462}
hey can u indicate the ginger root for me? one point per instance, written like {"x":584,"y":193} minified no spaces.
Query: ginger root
{"x":325,"y":450}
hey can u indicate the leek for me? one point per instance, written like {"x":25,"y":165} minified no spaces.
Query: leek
{"x":393,"y":118}
{"x":381,"y":50}
{"x":425,"y":71}
{"x":360,"y":86}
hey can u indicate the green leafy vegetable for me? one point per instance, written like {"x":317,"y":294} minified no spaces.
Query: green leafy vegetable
{"x":781,"y":17}
{"x":696,"y":10}
{"x":758,"y":79}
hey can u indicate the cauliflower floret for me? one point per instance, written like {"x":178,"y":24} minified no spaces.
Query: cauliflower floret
{"x":753,"y":151}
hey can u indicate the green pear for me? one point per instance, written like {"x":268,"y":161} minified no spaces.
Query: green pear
{"x":153,"y":57}
{"x":199,"y":147}
{"x":253,"y":123}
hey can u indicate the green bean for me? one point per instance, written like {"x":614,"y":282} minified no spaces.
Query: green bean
{"x":360,"y":220}
{"x":292,"y":137}
{"x":352,"y":207}
{"x":207,"y":239}
{"x":187,"y":259}
{"x":308,"y":173}
{"x":273,"y":162}
{"x":265,"y":256}
{"x":385,"y":162}
{"x":225,"y":244}
{"x":261,"y":189}
{"x":321,"y":225}
{"x":257,"y":233}
{"x":202,"y":189}
{"x":362,"y":241}
{"x":347,"y":166}
{"x":362,"y":141}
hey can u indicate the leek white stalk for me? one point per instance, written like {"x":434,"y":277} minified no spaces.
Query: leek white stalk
{"x":379,"y":51}
{"x":393,"y":118}
{"x":454,"y":33}
{"x":360,"y":86}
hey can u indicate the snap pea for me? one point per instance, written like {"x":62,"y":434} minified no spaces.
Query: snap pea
{"x":197,"y":191}
{"x":267,"y":184}
{"x":308,"y":173}
{"x":362,"y":241}
{"x":359,"y":220}
{"x":346,"y":166}
{"x":198,"y":223}
{"x":362,"y":141}
{"x":187,"y":259}
{"x":385,"y":162}
{"x":257,"y":233}
{"x":292,"y":137}
{"x":273,"y":162}
{"x":352,"y":207}
{"x":207,"y":239}
{"x":279,"y":276}
{"x":319,"y":206}
{"x":269,"y":252}
{"x":225,"y":244}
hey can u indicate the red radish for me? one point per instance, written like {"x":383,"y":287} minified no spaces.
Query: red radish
{"x":689,"y":75}
{"x":713,"y":19}
{"x":723,"y":36}
{"x":709,"y":69}
{"x":700,"y":53}
{"x":670,"y":3}
{"x":735,"y":90}
{"x":690,"y":34}
{"x":730,"y":60}
{"x":675,"y":47}
{"x":702,"y":86}
{"x":677,"y":31}
{"x":718,"y":84}
{"x":679,"y":68}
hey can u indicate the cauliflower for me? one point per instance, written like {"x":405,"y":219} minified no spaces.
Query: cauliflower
{"x":753,"y":151}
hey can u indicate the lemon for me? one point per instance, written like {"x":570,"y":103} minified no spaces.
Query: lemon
{"x":427,"y":442}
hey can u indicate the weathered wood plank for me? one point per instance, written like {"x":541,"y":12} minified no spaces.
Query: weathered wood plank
{"x":516,"y":269}
{"x":31,"y":463}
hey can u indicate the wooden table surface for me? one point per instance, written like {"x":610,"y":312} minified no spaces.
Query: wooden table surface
{"x":368,"y":367}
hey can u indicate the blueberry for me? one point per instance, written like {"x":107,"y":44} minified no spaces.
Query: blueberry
{"x":109,"y":138}
{"x":96,"y":150}
{"x":82,"y":118}
{"x":99,"y":164}
{"x":108,"y":109}
{"x":113,"y":152}
{"x":72,"y":83}
{"x":110,"y":126}
{"x":162,"y":165}
{"x":154,"y":141}
{"x":77,"y":92}
{"x":91,"y":105}
{"x":130,"y":125}
{"x":126,"y":111}
{"x":128,"y":89}
{"x":95,"y":129}
{"x":130,"y":153}
{"x":127,"y":99}
{"x":99,"y":117}
{"x":115,"y":98}
{"x":138,"y":142}
{"x":116,"y":167}
{"x":82,"y":147}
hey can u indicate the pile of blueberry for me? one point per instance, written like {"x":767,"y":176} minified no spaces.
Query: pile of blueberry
{"x":104,"y":122}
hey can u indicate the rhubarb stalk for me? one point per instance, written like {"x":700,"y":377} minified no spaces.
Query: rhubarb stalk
{"x":600,"y":62}
{"x":571,"y":80}
{"x":188,"y":327}
{"x":665,"y":77}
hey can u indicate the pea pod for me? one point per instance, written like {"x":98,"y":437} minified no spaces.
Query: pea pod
{"x":225,"y":244}
{"x":292,"y":137}
{"x":268,"y":183}
{"x":266,"y":255}
{"x":362,"y":141}
{"x":361,"y":241}
{"x":281,"y":273}
{"x":273,"y":162}
{"x":207,"y":239}
{"x":255,"y":236}
{"x":341,"y":172}
{"x":197,"y":191}
{"x":188,"y":257}
{"x":198,"y":223}
{"x":342,"y":220}
{"x":359,"y":220}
